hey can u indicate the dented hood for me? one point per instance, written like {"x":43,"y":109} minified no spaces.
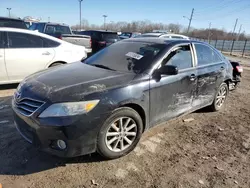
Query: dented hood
{"x":72,"y":82}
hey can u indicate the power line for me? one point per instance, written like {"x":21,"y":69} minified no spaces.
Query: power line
{"x":219,"y":7}
{"x":227,"y":14}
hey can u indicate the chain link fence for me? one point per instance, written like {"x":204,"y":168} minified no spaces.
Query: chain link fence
{"x":232,"y":47}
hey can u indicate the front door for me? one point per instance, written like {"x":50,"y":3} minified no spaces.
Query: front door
{"x":3,"y":72}
{"x":25,"y":55}
{"x":172,"y":95}
{"x":210,"y":74}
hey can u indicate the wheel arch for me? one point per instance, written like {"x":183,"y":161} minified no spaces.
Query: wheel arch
{"x":139,"y":109}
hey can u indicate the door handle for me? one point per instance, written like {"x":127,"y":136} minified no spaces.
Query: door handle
{"x":222,"y":68}
{"x":192,"y":77}
{"x":45,"y":53}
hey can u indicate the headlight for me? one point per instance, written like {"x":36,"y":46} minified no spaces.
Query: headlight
{"x":69,"y":109}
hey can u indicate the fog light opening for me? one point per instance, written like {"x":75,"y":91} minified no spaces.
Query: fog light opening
{"x":61,"y":144}
{"x":58,"y":145}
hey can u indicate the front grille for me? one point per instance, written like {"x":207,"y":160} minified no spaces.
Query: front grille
{"x":27,"y":106}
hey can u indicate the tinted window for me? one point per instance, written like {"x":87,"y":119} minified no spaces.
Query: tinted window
{"x":180,"y":57}
{"x":95,"y":35}
{"x":23,"y":40}
{"x":127,"y":56}
{"x":1,"y":40}
{"x":107,"y":36}
{"x":206,"y":55}
{"x":53,"y":29}
{"x":13,"y":23}
{"x":85,"y":33}
{"x":50,"y":43}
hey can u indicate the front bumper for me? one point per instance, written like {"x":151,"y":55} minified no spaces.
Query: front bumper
{"x":80,"y":136}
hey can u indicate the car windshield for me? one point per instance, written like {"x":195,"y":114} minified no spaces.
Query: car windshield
{"x":134,"y":57}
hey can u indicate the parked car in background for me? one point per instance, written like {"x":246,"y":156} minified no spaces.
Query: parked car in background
{"x":23,"y":52}
{"x":12,"y":22}
{"x":101,"y":39}
{"x":126,"y":35}
{"x":115,"y":95}
{"x":163,"y":35}
{"x":62,"y":31}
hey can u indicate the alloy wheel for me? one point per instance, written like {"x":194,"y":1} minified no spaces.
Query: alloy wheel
{"x":221,"y":96}
{"x":121,"y":134}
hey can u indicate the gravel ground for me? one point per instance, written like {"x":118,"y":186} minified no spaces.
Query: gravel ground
{"x":213,"y":150}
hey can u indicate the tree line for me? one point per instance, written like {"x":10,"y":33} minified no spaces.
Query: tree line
{"x":148,"y":26}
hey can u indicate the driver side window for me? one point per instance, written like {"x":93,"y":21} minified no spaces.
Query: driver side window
{"x":180,"y":57}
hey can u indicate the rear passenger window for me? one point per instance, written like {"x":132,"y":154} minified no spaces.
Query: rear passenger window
{"x":23,"y":40}
{"x":180,"y":57}
{"x":206,"y":55}
{"x":50,"y":43}
{"x":1,"y":40}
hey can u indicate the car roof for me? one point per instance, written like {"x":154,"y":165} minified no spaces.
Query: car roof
{"x":153,"y":34}
{"x":8,"y":29}
{"x":51,"y":23}
{"x":161,"y":40}
{"x":7,"y":18}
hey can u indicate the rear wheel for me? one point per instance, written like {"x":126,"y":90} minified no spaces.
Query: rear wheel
{"x":220,"y":97}
{"x":120,"y":133}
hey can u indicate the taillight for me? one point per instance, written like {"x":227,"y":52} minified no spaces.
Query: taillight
{"x":239,"y":68}
{"x":90,"y":42}
{"x":60,"y":37}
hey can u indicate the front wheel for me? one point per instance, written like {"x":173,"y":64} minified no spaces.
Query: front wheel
{"x":220,"y":97}
{"x":120,"y":133}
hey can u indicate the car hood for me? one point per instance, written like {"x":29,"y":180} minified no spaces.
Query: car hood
{"x":72,"y":82}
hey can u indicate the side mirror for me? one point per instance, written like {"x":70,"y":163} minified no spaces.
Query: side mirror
{"x":168,"y":70}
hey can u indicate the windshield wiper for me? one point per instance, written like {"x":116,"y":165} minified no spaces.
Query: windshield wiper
{"x":102,"y":66}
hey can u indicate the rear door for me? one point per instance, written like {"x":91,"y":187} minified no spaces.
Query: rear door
{"x":25,"y":55}
{"x":3,"y":72}
{"x":211,"y":70}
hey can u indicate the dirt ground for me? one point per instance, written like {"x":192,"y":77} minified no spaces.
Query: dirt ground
{"x":213,"y":150}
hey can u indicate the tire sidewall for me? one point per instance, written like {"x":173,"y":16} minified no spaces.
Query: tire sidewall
{"x":101,"y":143}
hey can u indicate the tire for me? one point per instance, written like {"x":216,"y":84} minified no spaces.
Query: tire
{"x":55,"y":64}
{"x":215,"y":106}
{"x":112,"y":126}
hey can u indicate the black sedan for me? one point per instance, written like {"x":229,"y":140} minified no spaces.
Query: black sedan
{"x":106,"y":102}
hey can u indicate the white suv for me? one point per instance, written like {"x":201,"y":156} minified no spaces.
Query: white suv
{"x":23,"y":52}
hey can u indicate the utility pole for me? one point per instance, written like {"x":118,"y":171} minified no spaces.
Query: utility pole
{"x":190,"y":20}
{"x":236,"y":22}
{"x":239,"y":32}
{"x":209,"y":31}
{"x":9,"y":11}
{"x":105,"y":16}
{"x":48,"y":19}
{"x":80,"y":6}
